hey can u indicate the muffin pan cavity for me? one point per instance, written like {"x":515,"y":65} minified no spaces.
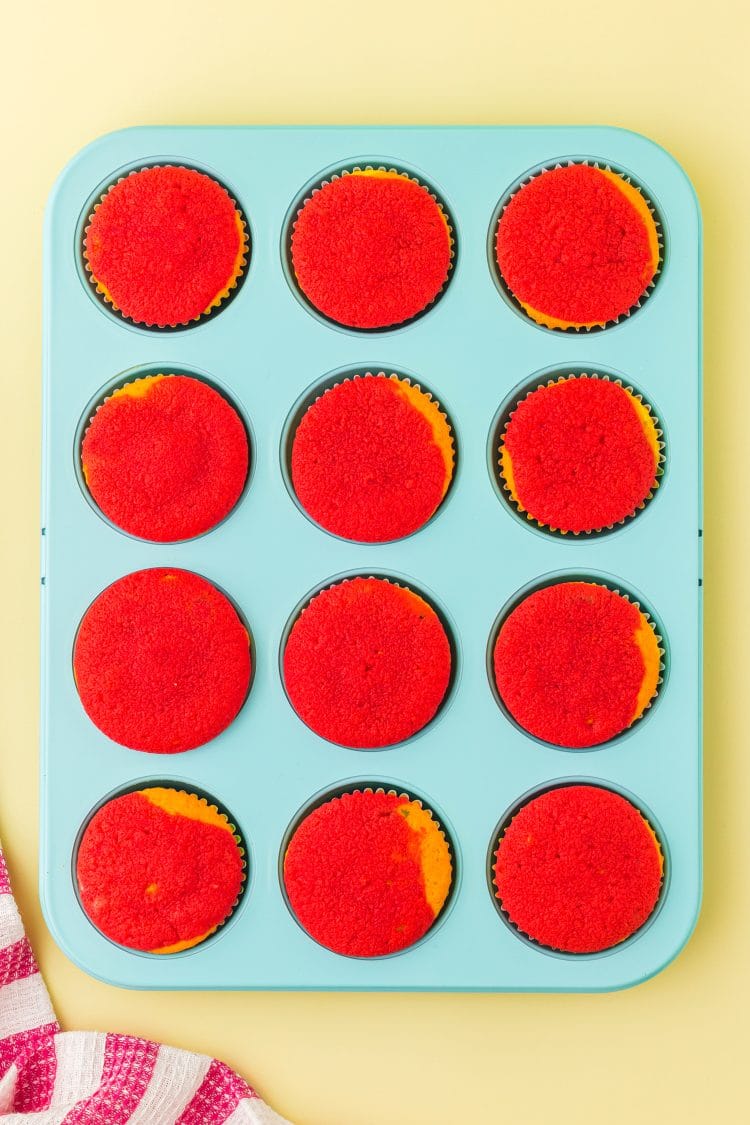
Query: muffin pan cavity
{"x":395,"y":788}
{"x":126,"y":379}
{"x":524,"y":800}
{"x":313,"y":393}
{"x":244,"y":844}
{"x":408,"y":672}
{"x":98,"y":291}
{"x":374,"y":167}
{"x":644,"y":199}
{"x":617,"y":587}
{"x":549,"y":378}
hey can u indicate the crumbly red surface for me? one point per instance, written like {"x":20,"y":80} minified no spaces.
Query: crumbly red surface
{"x":164,"y":242}
{"x":367,"y":663}
{"x":578,"y":869}
{"x":571,"y":245}
{"x":365,"y":464}
{"x":162,"y":661}
{"x":567,"y":666}
{"x":354,"y":878}
{"x":371,"y":251}
{"x":169,"y":464}
{"x":581,"y":460}
{"x":148,"y":879}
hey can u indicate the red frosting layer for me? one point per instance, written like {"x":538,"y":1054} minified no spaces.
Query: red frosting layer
{"x":578,"y":869}
{"x":572,"y":246}
{"x":365,"y":464}
{"x":367,"y":663}
{"x":567,"y":665}
{"x":149,"y":879}
{"x":354,"y":878}
{"x":162,"y":661}
{"x":581,"y":459}
{"x":168,"y":461}
{"x":164,"y":243}
{"x":371,"y":250}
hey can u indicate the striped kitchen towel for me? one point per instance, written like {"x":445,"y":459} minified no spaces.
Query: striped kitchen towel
{"x":50,"y":1077}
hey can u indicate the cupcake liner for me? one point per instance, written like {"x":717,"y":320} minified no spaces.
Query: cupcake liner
{"x":498,"y":839}
{"x":348,"y":170}
{"x":599,"y":326}
{"x":219,"y":300}
{"x":660,"y":465}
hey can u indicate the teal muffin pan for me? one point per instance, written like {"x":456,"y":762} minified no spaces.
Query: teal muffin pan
{"x":269,"y":352}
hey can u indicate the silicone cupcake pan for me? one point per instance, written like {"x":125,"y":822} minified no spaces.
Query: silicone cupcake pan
{"x":476,"y":352}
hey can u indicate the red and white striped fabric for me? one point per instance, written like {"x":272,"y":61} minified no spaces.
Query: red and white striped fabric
{"x":49,"y":1077}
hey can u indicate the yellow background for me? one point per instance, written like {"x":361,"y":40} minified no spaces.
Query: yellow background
{"x":671,"y":1050}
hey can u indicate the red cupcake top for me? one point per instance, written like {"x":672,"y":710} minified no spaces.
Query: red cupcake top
{"x":372,"y":459}
{"x":371,"y":249}
{"x":580,"y":454}
{"x":367,"y":873}
{"x":577,"y":246}
{"x":158,"y":870}
{"x":165,"y":245}
{"x":165,"y":457}
{"x":162,"y":661}
{"x":576,"y":663}
{"x":578,"y":869}
{"x":367,"y":663}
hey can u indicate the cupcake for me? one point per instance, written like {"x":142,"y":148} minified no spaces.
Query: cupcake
{"x":162,"y":661}
{"x":165,"y":457}
{"x":371,"y":248}
{"x":578,"y":869}
{"x":576,"y":663}
{"x":367,"y":873}
{"x":580,"y":454}
{"x":372,"y":458}
{"x":159,"y":870}
{"x":578,"y":247}
{"x":165,"y":246}
{"x":367,"y":663}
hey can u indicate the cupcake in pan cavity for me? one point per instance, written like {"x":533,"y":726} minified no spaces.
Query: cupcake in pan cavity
{"x":159,"y":870}
{"x":578,"y":246}
{"x":576,"y":663}
{"x":578,"y":869}
{"x":372,"y":458}
{"x":367,"y":873}
{"x":371,"y":248}
{"x":165,"y":457}
{"x":367,"y":663}
{"x":580,"y":454}
{"x":165,"y":246}
{"x":162,"y":661}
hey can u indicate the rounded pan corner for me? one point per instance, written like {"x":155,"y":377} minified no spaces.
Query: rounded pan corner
{"x":682,"y":938}
{"x":90,"y":149}
{"x":671,"y":159}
